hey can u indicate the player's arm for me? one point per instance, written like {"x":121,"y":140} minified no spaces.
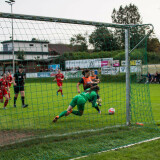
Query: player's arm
{"x":14,"y":81}
{"x":79,"y":83}
{"x":97,"y":79}
{"x":55,"y":79}
{"x":94,"y":82}
{"x":78,"y":87}
{"x":11,"y":80}
{"x":62,"y":78}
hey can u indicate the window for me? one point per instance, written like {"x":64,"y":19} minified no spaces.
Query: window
{"x":45,"y":45}
{"x":5,"y":47}
{"x":31,"y":45}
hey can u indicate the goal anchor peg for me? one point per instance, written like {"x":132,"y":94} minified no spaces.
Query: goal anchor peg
{"x":141,"y":124}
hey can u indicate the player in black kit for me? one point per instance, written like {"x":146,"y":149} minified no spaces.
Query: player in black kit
{"x":18,"y":81}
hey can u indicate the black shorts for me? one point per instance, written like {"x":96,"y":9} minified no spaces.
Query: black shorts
{"x":17,"y":89}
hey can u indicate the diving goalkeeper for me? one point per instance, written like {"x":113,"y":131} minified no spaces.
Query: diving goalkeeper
{"x":80,"y":100}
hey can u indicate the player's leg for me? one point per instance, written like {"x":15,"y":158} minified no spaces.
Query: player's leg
{"x":8,"y":90}
{"x":61,"y":89}
{"x":16,"y":92}
{"x":58,"y":84}
{"x":1,"y":97}
{"x":80,"y":105}
{"x":6,"y":100}
{"x":99,"y":100}
{"x":23,"y":97}
{"x":64,"y":113}
{"x":69,"y":110}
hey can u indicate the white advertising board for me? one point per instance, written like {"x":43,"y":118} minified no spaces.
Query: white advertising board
{"x":85,"y":63}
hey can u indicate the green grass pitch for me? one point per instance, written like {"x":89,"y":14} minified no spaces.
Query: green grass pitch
{"x":36,"y":120}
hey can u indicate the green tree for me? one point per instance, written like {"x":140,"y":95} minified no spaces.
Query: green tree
{"x":79,"y":42}
{"x":153,"y":45}
{"x":20,"y":55}
{"x":103,"y":39}
{"x":128,"y":15}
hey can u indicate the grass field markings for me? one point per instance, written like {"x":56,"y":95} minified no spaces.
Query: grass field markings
{"x":61,"y":135}
{"x":114,"y":149}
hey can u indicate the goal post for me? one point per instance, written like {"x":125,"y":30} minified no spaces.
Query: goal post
{"x":127,"y":57}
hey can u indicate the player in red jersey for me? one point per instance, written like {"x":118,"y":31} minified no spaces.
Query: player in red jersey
{"x":9,"y":80}
{"x":59,"y":78}
{"x":3,"y":93}
{"x":4,"y":80}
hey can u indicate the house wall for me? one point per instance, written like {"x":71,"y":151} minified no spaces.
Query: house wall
{"x":26,"y":57}
{"x":26,"y":47}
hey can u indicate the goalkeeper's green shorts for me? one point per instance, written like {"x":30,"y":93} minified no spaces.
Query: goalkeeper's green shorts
{"x":79,"y":101}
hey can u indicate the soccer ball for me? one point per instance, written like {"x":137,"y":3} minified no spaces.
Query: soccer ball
{"x":111,"y":111}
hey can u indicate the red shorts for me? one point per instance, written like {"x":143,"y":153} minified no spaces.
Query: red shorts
{"x":59,"y":84}
{"x":2,"y":93}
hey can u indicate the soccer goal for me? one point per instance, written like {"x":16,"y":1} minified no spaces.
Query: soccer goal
{"x":51,"y":71}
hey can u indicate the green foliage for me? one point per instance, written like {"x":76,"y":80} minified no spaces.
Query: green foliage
{"x":128,"y":15}
{"x":153,"y":58}
{"x":137,"y":54}
{"x":153,"y":45}
{"x":20,"y":55}
{"x":79,"y":42}
{"x":103,"y":39}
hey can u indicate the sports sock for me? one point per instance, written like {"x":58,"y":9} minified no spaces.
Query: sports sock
{"x":97,"y":108}
{"x":22,"y":98}
{"x":5,"y":103}
{"x":9,"y":95}
{"x":61,"y":91}
{"x":15,"y":99}
{"x":62,"y":114}
{"x":78,"y":113}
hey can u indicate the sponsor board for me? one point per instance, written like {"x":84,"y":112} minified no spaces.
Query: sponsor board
{"x":43,"y":74}
{"x":133,"y":69}
{"x":54,"y":67}
{"x":110,"y":70}
{"x":132,"y":63}
{"x":85,"y":63}
{"x":116,"y":63}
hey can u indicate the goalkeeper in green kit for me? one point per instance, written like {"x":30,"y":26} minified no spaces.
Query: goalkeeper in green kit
{"x":80,"y":100}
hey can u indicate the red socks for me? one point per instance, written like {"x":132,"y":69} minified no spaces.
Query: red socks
{"x":5,"y":103}
{"x":60,"y":90}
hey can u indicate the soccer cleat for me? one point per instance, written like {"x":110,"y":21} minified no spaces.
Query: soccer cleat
{"x":14,"y":106}
{"x":10,"y":98}
{"x":62,"y":95}
{"x":4,"y":108}
{"x":25,"y":105}
{"x":55,"y":119}
{"x":57,"y":93}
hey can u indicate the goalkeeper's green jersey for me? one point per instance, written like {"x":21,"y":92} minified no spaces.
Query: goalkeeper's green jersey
{"x":91,"y":97}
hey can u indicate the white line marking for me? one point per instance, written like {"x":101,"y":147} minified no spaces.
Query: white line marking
{"x":126,"y":146}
